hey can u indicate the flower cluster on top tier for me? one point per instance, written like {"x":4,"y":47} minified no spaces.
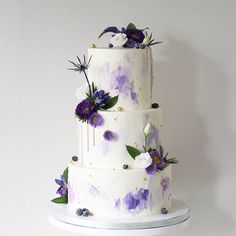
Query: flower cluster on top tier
{"x":63,"y":189}
{"x":129,"y":37}
{"x":151,"y":159}
{"x":87,"y":109}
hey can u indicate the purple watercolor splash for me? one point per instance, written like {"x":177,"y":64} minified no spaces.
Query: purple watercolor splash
{"x":165,"y":183}
{"x":71,"y":193}
{"x":136,"y":201}
{"x":153,"y":137}
{"x":121,"y":83}
{"x":94,"y":191}
{"x":117,"y":203}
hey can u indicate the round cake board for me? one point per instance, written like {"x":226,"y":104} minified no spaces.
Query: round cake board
{"x":176,"y":219}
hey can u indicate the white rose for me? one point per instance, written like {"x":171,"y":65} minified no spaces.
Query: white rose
{"x":143,"y":160}
{"x":81,"y":92}
{"x":147,"y":129}
{"x":119,"y":40}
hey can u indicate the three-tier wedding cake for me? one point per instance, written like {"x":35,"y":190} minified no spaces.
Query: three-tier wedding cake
{"x":121,"y":169}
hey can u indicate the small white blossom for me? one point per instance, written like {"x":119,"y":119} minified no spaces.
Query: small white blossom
{"x":143,"y":160}
{"x":119,"y":40}
{"x":146,"y":40}
{"x":147,"y":129}
{"x":81,"y":92}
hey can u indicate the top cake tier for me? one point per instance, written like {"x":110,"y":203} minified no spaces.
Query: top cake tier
{"x":125,"y":72}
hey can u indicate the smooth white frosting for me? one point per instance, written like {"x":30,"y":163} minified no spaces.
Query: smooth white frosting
{"x":128,"y":129}
{"x":111,"y":192}
{"x":125,"y":72}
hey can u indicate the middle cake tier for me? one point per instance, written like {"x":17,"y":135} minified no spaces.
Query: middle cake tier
{"x":124,"y":128}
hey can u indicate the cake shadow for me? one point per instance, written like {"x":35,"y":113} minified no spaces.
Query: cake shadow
{"x":196,"y":177}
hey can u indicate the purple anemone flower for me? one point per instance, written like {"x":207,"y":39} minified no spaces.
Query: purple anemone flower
{"x":62,"y":190}
{"x":95,"y":119}
{"x":85,"y":109}
{"x":152,"y":169}
{"x":158,"y":159}
{"x":108,"y":135}
{"x":135,"y":34}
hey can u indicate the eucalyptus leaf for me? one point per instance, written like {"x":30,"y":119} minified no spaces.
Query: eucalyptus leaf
{"x":60,"y":200}
{"x":65,"y":174}
{"x":131,"y":26}
{"x":111,"y":102}
{"x":132,"y":151}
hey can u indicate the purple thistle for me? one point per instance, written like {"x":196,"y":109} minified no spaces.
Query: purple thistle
{"x":62,"y":190}
{"x":152,"y":169}
{"x":95,"y":120}
{"x":108,"y":135}
{"x":85,"y":109}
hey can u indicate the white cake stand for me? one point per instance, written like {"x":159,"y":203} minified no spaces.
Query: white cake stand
{"x":176,"y":219}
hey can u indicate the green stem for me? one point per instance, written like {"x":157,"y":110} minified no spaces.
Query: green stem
{"x":145,"y":143}
{"x":90,"y":91}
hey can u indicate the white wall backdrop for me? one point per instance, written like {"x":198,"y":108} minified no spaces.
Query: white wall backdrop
{"x":195,"y":84}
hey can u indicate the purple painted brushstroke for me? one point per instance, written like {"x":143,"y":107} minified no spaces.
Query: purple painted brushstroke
{"x":117,"y":203}
{"x":153,"y":137}
{"x":165,"y":183}
{"x":136,"y":201}
{"x":121,"y":83}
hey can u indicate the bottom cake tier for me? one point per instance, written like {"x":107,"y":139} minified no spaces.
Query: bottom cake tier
{"x":119,"y":193}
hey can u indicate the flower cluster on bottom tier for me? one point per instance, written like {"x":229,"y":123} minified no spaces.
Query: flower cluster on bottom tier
{"x":118,"y":193}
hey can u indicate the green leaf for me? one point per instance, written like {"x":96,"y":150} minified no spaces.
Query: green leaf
{"x":111,"y":102}
{"x":131,"y":26}
{"x":65,"y":174}
{"x":161,"y":150}
{"x":133,"y":152}
{"x":60,"y":200}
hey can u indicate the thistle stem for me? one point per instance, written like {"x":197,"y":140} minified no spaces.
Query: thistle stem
{"x":90,"y":91}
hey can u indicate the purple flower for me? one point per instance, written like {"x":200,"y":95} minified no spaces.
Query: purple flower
{"x":108,"y":135}
{"x":135,"y":34}
{"x":100,"y":97}
{"x":84,"y":109}
{"x":81,"y":66}
{"x":131,"y":43}
{"x":158,"y":159}
{"x":62,"y":190}
{"x":95,"y":119}
{"x":152,"y":169}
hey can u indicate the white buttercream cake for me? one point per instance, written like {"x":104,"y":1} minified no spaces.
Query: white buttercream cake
{"x":121,"y":169}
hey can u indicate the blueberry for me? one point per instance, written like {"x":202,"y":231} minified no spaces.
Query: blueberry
{"x":110,"y":45}
{"x":125,"y":166}
{"x":79,"y":212}
{"x":155,"y":105}
{"x":164,"y":210}
{"x":74,"y":158}
{"x":85,"y":212}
